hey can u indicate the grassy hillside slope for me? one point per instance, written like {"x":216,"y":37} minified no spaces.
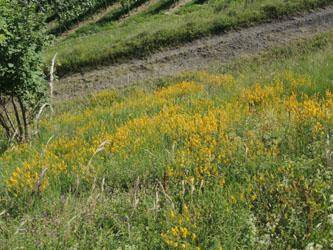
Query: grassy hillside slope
{"x":211,"y":160}
{"x":107,"y":42}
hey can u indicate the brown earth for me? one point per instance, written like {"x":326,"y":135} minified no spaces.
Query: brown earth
{"x":198,"y":55}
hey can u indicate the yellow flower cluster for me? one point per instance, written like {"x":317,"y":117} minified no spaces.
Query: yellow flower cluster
{"x":105,"y":98}
{"x":22,"y":179}
{"x":183,"y":233}
{"x":63,"y":157}
{"x":311,"y":109}
{"x":197,"y":137}
{"x":221,"y":80}
{"x":296,"y":82}
{"x":261,"y":95}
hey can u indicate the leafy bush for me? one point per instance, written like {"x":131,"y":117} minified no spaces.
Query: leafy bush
{"x":22,"y":84}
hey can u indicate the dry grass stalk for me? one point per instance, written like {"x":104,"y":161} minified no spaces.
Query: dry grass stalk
{"x":100,"y":148}
{"x":47,"y":143}
{"x":2,"y":213}
{"x":38,"y":183}
{"x":77,"y":183}
{"x":183,"y":189}
{"x":102,"y":185}
{"x":67,"y":226}
{"x":94,"y":185}
{"x":192,"y":189}
{"x":328,"y":153}
{"x":156,"y":202}
{"x":92,"y":198}
{"x":17,"y":230}
{"x":201,"y":183}
{"x":41,"y":111}
{"x":51,"y":75}
{"x":135,"y":199}
{"x":128,"y":226}
{"x":135,"y":204}
{"x":37,"y":187}
{"x":246,"y":152}
{"x":172,"y":153}
{"x":165,"y":194}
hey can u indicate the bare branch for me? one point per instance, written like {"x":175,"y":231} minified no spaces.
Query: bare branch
{"x":41,"y":111}
{"x":17,"y":119}
{"x":5,"y":125}
{"x":9,"y":119}
{"x":30,"y":116}
{"x":24,"y":117}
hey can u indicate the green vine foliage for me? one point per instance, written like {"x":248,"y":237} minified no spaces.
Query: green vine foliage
{"x":22,"y":81}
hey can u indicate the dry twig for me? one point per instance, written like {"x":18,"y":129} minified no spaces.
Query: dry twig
{"x":165,"y":194}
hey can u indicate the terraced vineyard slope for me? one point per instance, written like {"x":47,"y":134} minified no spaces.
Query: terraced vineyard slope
{"x":108,"y":41}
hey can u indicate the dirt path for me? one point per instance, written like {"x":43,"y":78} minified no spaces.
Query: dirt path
{"x":199,"y":54}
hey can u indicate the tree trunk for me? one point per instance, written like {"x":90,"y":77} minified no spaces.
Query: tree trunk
{"x":19,"y":124}
{"x":25,"y":120}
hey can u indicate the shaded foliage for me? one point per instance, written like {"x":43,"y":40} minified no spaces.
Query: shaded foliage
{"x":22,"y":84}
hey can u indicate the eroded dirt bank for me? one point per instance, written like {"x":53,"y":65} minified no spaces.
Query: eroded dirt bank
{"x":200,"y":54}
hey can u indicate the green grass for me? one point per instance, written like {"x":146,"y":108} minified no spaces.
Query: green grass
{"x":132,"y":195}
{"x":149,"y":32}
{"x":61,"y":27}
{"x":106,"y":22}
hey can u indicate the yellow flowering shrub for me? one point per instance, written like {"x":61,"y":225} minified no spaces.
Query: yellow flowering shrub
{"x":196,"y":137}
{"x":105,"y":98}
{"x":182,"y":232}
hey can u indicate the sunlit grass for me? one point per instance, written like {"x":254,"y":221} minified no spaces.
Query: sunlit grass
{"x":241,"y":147}
{"x":146,"y":33}
{"x":232,"y":160}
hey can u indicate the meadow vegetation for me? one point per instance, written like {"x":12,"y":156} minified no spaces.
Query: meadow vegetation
{"x":238,"y":157}
{"x":107,"y":41}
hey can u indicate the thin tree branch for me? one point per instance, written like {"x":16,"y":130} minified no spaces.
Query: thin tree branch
{"x":31,"y":115}
{"x":9,"y":119}
{"x":41,"y":110}
{"x":17,"y":119}
{"x":4,"y":125}
{"x":25,"y":121}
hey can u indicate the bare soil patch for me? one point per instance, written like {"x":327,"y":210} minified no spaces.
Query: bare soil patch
{"x":199,"y":54}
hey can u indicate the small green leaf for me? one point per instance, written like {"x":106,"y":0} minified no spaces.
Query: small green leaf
{"x":2,"y":38}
